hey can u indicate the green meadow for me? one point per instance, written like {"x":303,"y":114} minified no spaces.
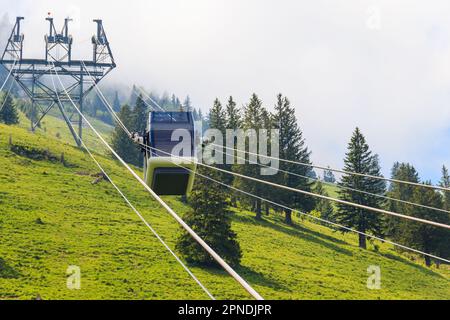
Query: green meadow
{"x":53,"y":215}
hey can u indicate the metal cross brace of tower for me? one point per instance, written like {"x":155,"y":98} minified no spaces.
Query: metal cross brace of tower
{"x":33,"y":75}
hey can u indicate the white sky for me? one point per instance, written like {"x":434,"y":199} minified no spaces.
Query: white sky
{"x":381,"y":65}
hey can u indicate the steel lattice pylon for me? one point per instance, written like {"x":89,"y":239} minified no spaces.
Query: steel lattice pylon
{"x":33,"y":75}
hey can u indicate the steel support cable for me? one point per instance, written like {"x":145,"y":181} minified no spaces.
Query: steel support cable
{"x":9,"y":74}
{"x":323,"y":220}
{"x":305,"y":214}
{"x":140,"y":215}
{"x":317,"y":218}
{"x":357,"y":205}
{"x":151,"y":99}
{"x":342,"y":171}
{"x":194,"y":235}
{"x":6,"y":96}
{"x":337,"y":170}
{"x":105,"y":102}
{"x":347,"y":188}
{"x":323,"y":196}
{"x":145,"y":102}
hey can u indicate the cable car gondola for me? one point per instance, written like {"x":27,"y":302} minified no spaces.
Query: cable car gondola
{"x":168,"y":175}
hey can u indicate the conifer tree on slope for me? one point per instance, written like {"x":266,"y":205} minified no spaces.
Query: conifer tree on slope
{"x":361,"y":160}
{"x":121,"y":143}
{"x":267,"y":124}
{"x":116,"y":102}
{"x":133,"y":96}
{"x":217,"y":116}
{"x":173,"y":102}
{"x":396,"y":227}
{"x":187,"y":104}
{"x":96,"y":106}
{"x":233,"y":122}
{"x":292,"y":147}
{"x":140,"y":115}
{"x":233,"y":115}
{"x":210,"y":219}
{"x":252,"y":119}
{"x":328,"y":176}
{"x":445,"y":182}
{"x":217,"y":120}
{"x":322,"y":205}
{"x":424,"y":237}
{"x":8,"y":114}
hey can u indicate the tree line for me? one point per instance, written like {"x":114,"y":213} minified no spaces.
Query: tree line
{"x":358,"y":158}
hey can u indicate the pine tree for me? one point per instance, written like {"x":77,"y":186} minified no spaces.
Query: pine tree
{"x":292,"y":147}
{"x":204,"y":120}
{"x":164,"y":102}
{"x":312,"y":175}
{"x":210,"y":219}
{"x":217,"y":120}
{"x":187,"y":105}
{"x":133,"y":96}
{"x":97,"y":106}
{"x":174,"y":102}
{"x":116,"y":102}
{"x":140,"y":115}
{"x":217,"y":117}
{"x":121,"y":143}
{"x":322,"y":205}
{"x":233,"y":122}
{"x":253,"y":119}
{"x":328,"y":176}
{"x":8,"y":114}
{"x":424,"y":237}
{"x":233,"y":115}
{"x":396,"y":228}
{"x":361,"y":160}
{"x":445,"y":182}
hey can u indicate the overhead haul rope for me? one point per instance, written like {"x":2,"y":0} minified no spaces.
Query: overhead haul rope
{"x":294,"y":210}
{"x":344,"y":171}
{"x":9,"y":74}
{"x":6,"y":96}
{"x":303,"y":213}
{"x":139,"y":214}
{"x":332,"y":169}
{"x":10,"y":86}
{"x":194,"y":235}
{"x":151,"y":99}
{"x":341,"y":186}
{"x":357,"y":205}
{"x":360,"y":206}
{"x":102,"y":97}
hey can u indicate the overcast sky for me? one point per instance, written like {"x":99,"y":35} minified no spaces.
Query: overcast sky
{"x":381,"y":65}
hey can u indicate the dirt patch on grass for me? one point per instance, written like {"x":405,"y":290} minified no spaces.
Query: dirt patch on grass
{"x":39,"y":154}
{"x":6,"y":271}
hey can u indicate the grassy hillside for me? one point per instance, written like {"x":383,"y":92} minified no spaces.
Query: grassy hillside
{"x":55,"y":127}
{"x":52,"y":216}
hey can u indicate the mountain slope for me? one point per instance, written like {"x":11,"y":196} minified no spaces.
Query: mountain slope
{"x":52,"y":216}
